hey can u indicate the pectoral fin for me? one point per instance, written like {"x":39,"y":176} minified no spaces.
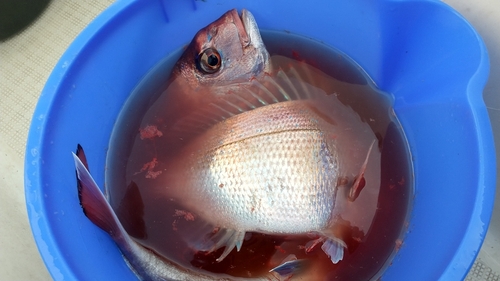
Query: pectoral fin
{"x":360,"y":181}
{"x":332,"y":246}
{"x":334,"y":249}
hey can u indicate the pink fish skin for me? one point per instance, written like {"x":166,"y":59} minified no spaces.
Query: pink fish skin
{"x":221,"y":56}
{"x":236,"y":61}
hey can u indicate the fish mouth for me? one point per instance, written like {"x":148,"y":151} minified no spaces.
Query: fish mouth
{"x":251,"y":29}
{"x":255,"y":42}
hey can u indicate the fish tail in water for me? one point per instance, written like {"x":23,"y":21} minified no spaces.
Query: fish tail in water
{"x":146,"y":264}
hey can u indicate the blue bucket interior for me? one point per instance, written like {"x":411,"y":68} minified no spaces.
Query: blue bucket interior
{"x":422,"y":52}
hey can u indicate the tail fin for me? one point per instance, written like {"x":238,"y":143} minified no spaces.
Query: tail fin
{"x":94,"y":204}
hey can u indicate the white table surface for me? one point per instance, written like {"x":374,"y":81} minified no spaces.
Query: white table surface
{"x":26,"y":62}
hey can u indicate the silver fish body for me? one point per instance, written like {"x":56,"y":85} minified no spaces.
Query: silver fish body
{"x":276,"y":169}
{"x":272,"y":170}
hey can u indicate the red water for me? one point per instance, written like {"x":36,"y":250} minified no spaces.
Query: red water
{"x":372,"y":227}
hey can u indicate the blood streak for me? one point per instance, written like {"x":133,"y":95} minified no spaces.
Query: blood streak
{"x":402,"y":181}
{"x":149,"y":168}
{"x":277,"y":247}
{"x":149,"y":132}
{"x":187,"y":215}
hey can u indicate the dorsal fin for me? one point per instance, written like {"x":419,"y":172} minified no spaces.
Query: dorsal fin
{"x":295,"y":81}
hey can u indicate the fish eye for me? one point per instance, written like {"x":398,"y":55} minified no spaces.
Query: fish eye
{"x":209,"y":61}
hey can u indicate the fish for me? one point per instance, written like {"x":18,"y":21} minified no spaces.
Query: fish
{"x":276,"y":156}
{"x":277,"y":170}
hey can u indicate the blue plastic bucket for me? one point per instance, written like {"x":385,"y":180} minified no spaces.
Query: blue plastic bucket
{"x":422,"y":52}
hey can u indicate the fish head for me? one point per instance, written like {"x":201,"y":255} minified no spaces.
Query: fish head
{"x":228,"y":51}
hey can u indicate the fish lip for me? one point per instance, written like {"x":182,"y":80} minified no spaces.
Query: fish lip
{"x":251,"y":29}
{"x":255,"y":41}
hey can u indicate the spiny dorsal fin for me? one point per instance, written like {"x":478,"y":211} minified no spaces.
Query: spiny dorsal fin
{"x":296,"y":82}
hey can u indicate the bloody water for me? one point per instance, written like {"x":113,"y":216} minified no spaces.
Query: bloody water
{"x":373,"y":232}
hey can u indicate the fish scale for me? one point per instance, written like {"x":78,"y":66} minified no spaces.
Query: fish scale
{"x":275,"y":177}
